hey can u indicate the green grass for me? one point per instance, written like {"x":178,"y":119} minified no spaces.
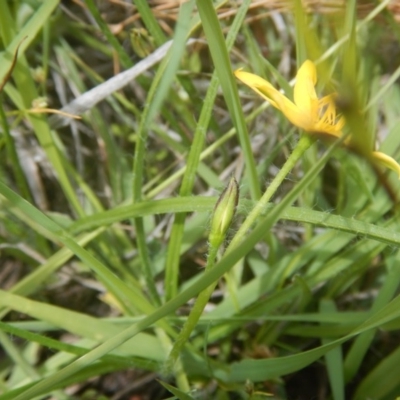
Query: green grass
{"x":104,"y":221}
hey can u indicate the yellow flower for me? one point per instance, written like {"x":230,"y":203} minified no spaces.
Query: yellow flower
{"x":307,"y":111}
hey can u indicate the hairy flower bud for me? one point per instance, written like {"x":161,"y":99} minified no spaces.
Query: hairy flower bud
{"x":224,"y":212}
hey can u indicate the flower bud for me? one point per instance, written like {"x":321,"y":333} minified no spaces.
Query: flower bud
{"x":224,"y":212}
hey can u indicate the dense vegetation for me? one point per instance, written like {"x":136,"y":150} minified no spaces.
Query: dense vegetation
{"x":127,"y":271}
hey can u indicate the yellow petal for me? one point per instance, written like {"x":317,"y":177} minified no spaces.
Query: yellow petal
{"x":386,"y":161}
{"x":259,"y":85}
{"x":277,"y":99}
{"x":304,"y":93}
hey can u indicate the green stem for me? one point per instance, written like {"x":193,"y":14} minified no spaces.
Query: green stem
{"x":195,"y":313}
{"x":303,"y":144}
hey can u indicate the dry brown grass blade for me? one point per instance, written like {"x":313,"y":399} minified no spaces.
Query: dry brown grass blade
{"x":10,"y":70}
{"x":89,"y":99}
